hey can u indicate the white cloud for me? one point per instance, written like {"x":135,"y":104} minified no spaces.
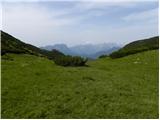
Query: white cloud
{"x":32,"y":15}
{"x":0,"y":16}
{"x":32,"y":23}
{"x":143,"y":16}
{"x":41,"y":26}
{"x":117,"y":35}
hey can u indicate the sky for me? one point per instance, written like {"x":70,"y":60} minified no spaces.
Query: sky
{"x":74,"y":22}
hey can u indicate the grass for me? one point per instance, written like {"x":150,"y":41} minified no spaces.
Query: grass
{"x":34,"y":87}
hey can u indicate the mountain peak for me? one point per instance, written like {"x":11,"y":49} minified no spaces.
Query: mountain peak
{"x":85,"y":50}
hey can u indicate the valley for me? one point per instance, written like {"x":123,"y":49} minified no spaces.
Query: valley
{"x":37,"y":83}
{"x":34,"y":87}
{"x":79,"y":59}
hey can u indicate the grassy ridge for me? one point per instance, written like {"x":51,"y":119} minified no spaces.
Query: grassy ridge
{"x":136,"y":47}
{"x":10,"y":44}
{"x":34,"y":87}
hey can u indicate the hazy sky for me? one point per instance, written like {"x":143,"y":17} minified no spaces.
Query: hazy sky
{"x":80,"y":21}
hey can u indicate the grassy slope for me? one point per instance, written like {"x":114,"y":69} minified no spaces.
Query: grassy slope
{"x":10,"y":44}
{"x":34,"y":87}
{"x":136,"y":47}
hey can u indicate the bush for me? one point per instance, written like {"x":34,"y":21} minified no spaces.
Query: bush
{"x":70,"y":61}
{"x":3,"y":52}
{"x":103,"y":56}
{"x":122,"y":53}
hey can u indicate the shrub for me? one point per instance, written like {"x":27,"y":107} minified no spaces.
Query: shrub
{"x":70,"y":61}
{"x":103,"y":56}
{"x":122,"y":53}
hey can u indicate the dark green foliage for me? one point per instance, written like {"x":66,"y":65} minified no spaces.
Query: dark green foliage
{"x":70,"y":61}
{"x":52,"y":54}
{"x":7,"y":57}
{"x":10,"y":44}
{"x":137,"y":46}
{"x":103,"y":56}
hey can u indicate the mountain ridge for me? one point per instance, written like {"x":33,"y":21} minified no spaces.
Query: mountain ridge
{"x":86,"y":50}
{"x":10,"y":44}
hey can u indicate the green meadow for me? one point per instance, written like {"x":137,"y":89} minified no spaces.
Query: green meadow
{"x":35,"y":87}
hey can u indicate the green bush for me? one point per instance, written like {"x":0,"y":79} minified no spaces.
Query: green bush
{"x":122,"y":53}
{"x":103,"y":56}
{"x":70,"y":61}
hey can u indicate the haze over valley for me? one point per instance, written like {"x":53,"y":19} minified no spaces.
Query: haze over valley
{"x":87,"y":50}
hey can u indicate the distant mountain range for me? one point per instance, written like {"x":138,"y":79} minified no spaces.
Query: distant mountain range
{"x":87,"y":50}
{"x":10,"y":44}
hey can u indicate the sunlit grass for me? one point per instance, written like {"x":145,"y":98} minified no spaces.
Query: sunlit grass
{"x":34,"y":87}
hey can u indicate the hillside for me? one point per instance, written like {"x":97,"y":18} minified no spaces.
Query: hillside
{"x":137,"y":46}
{"x":13,"y":45}
{"x":108,"y":88}
{"x":10,"y":44}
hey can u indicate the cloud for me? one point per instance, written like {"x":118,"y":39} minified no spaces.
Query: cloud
{"x":118,"y":35}
{"x":33,"y":15}
{"x":0,"y":16}
{"x":148,"y":15}
{"x":34,"y":23}
{"x":39,"y":24}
